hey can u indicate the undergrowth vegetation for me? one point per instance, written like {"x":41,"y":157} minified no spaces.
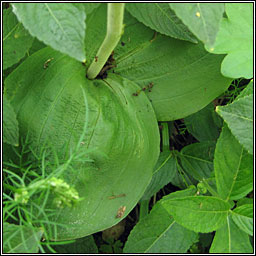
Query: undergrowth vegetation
{"x":127,"y":128}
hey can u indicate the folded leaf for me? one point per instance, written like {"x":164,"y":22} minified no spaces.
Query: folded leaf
{"x":239,"y":118}
{"x":20,"y":239}
{"x":159,"y":233}
{"x":230,"y":239}
{"x":111,"y":124}
{"x":235,"y":37}
{"x":198,"y":213}
{"x":16,"y":39}
{"x":59,"y":25}
{"x":203,"y":19}
{"x":160,"y":17}
{"x":243,"y":217}
{"x":10,"y":124}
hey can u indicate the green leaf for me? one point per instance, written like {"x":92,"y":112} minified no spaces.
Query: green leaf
{"x":244,"y":200}
{"x":160,"y":17}
{"x":204,"y":124}
{"x":233,"y":167}
{"x":185,"y":77}
{"x":16,"y":39}
{"x":20,"y":239}
{"x":164,"y":172}
{"x":203,"y":19}
{"x":198,"y":213}
{"x":230,"y":239}
{"x":10,"y":124}
{"x":155,"y":232}
{"x":82,"y":245}
{"x":89,"y":7}
{"x":239,"y":118}
{"x":243,"y":217}
{"x":124,"y":149}
{"x":59,"y":25}
{"x":197,"y":159}
{"x":248,"y":90}
{"x":235,"y":38}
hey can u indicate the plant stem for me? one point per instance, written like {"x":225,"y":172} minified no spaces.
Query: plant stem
{"x":143,"y":209}
{"x":165,"y":136}
{"x":114,"y":32}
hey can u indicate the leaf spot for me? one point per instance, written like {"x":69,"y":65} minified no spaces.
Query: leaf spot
{"x":198,"y":14}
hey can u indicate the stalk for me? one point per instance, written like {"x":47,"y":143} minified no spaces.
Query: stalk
{"x":114,"y":32}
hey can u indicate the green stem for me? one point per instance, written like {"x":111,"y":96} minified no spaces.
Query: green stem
{"x":114,"y":33}
{"x":165,"y":136}
{"x":143,"y":208}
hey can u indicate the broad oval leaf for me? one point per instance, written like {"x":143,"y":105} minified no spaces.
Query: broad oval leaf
{"x":59,"y":25}
{"x":159,"y":233}
{"x":160,"y":17}
{"x":50,"y":107}
{"x":233,"y":167}
{"x":203,"y":19}
{"x":10,"y":124}
{"x":185,"y":77}
{"x":16,"y":39}
{"x":230,"y":239}
{"x":243,"y":217}
{"x":235,"y":37}
{"x":21,"y":239}
{"x":198,"y":213}
{"x":239,"y":118}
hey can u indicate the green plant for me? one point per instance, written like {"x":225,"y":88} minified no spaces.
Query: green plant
{"x":85,"y":85}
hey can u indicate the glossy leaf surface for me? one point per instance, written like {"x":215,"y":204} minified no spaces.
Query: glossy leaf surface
{"x":51,"y":108}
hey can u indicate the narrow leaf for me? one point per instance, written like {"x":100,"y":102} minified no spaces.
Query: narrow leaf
{"x":243,"y":217}
{"x":198,"y":213}
{"x":59,"y":25}
{"x":230,"y":239}
{"x":235,"y":38}
{"x":16,"y":39}
{"x":20,"y":239}
{"x":233,"y":167}
{"x":10,"y":124}
{"x":155,"y":233}
{"x":239,"y":118}
{"x":160,"y":17}
{"x":203,"y":19}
